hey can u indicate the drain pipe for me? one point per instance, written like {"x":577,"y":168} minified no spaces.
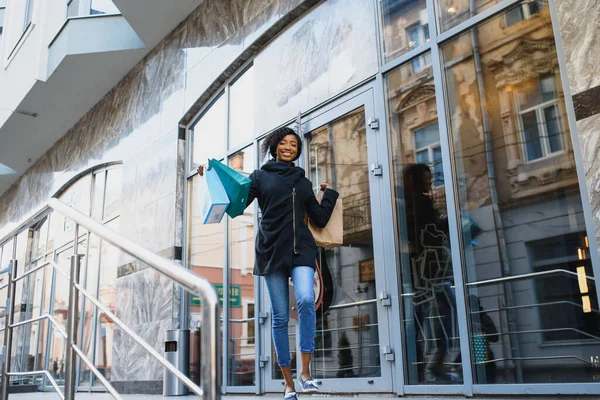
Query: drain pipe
{"x":489,"y":156}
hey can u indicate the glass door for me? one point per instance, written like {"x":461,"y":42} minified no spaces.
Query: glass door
{"x":352,"y":321}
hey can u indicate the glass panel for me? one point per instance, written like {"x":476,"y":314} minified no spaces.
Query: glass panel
{"x":241,"y":109}
{"x":103,"y":7}
{"x":553,"y":129}
{"x":429,"y":306}
{"x":40,"y":238}
{"x":208,"y":134}
{"x":533,"y":308}
{"x":242,"y":350}
{"x":107,"y":291}
{"x":347,"y":340}
{"x":112,"y":200}
{"x":89,"y":311}
{"x":205,"y":252}
{"x":405,"y":26}
{"x":61,"y":228}
{"x":532,"y":135}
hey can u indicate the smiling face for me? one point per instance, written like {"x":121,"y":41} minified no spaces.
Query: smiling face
{"x":287,"y":148}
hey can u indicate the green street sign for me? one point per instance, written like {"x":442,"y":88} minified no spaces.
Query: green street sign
{"x":235,"y":296}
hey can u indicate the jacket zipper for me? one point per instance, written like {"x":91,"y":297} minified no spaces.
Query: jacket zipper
{"x":294,"y":216}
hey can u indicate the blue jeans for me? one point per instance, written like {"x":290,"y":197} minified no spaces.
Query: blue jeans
{"x":304,"y":290}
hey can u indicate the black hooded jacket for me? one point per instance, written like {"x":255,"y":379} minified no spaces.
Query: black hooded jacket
{"x":283,"y":240}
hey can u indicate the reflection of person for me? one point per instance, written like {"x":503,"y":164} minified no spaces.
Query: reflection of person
{"x":55,"y":368}
{"x":427,"y":240}
{"x":285,"y":246}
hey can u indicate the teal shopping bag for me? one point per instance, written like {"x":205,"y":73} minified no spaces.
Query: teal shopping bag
{"x":213,"y":197}
{"x":236,"y":185}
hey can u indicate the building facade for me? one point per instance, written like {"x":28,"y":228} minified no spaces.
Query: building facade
{"x":461,"y":135}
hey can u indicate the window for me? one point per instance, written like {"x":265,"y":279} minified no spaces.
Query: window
{"x":418,"y":35}
{"x":539,"y":119}
{"x":103,"y":7}
{"x":2,"y":12}
{"x":524,"y":11}
{"x":567,"y":304}
{"x":73,"y":8}
{"x":29,"y":13}
{"x":428,"y":151}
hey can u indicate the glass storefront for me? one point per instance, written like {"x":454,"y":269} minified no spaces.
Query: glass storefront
{"x":490,"y":275}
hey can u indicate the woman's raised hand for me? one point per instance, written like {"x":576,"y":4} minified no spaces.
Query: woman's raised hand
{"x":324,"y":186}
{"x":201,"y":170}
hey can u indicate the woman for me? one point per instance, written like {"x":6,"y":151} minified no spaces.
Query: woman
{"x":286,"y":248}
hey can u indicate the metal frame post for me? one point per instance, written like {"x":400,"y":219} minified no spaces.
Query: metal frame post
{"x":71,"y":361}
{"x":8,"y":332}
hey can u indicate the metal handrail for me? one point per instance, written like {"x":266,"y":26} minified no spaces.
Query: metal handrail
{"x":527,"y":276}
{"x":43,"y":372}
{"x":210,"y":356}
{"x":49,"y":317}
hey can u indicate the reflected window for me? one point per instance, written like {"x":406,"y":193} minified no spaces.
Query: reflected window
{"x":524,"y":11}
{"x":405,"y":26}
{"x":539,"y":118}
{"x":428,"y":151}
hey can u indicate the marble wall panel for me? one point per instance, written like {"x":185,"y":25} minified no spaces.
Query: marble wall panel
{"x":130,"y":361}
{"x":589,"y":138}
{"x":144,"y":296}
{"x":327,"y":51}
{"x":580,"y":32}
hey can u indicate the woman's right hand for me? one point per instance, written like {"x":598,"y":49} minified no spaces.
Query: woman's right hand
{"x":201,"y":170}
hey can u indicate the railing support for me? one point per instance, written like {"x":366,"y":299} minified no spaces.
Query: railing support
{"x":8,"y":332}
{"x":71,"y":362}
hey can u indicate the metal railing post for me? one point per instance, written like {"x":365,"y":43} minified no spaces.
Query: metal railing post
{"x":71,"y":361}
{"x":8,"y":331}
{"x":210,"y":354}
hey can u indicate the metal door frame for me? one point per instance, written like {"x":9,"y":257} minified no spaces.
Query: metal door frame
{"x":381,"y":215}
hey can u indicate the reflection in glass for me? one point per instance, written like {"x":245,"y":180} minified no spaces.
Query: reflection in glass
{"x":242,"y":340}
{"x":347,"y":340}
{"x":107,"y":292}
{"x":427,"y":285}
{"x":206,"y":256}
{"x":405,"y":27}
{"x":112,"y":200}
{"x":241,"y":109}
{"x":532,"y":301}
{"x":208,"y":136}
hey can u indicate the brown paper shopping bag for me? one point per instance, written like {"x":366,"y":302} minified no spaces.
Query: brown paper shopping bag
{"x":333,"y":234}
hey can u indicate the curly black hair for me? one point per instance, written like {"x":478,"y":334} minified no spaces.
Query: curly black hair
{"x":269,"y":145}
